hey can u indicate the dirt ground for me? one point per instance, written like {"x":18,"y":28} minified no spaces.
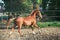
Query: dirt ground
{"x":49,"y":33}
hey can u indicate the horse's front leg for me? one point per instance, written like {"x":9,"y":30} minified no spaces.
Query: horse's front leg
{"x":33,"y":30}
{"x":35,"y":25}
{"x":19,"y":29}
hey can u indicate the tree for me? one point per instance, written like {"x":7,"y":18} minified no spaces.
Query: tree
{"x":17,"y":5}
{"x":36,"y":4}
{"x":21,"y":5}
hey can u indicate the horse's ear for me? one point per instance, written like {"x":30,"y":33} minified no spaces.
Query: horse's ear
{"x":32,"y":11}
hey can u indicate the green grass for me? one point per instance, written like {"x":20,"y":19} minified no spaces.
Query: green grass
{"x":48,"y":24}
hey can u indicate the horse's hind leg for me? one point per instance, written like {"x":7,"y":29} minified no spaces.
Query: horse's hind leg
{"x":8,"y":23}
{"x":12,"y":29}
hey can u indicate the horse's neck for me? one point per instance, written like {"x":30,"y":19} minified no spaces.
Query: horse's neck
{"x":34,"y":15}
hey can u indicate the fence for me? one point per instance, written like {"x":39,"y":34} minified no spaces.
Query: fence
{"x":51,"y":14}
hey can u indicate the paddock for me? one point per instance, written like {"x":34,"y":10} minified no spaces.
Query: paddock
{"x":48,"y":33}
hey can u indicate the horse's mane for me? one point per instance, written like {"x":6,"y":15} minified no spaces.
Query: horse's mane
{"x":33,"y":12}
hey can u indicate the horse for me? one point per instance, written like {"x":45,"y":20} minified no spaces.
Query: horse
{"x":28,"y":21}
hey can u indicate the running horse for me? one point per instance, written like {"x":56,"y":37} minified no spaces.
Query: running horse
{"x":28,"y":21}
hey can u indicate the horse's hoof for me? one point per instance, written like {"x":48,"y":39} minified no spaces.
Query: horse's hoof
{"x":8,"y":35}
{"x":34,"y":32}
{"x":39,"y":31}
{"x":21,"y":35}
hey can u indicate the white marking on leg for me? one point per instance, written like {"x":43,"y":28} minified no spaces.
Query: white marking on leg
{"x":34,"y":32}
{"x":10,"y":33}
{"x":40,"y":31}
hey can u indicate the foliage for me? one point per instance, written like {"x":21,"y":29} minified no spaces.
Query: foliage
{"x":51,"y":4}
{"x":19,"y":5}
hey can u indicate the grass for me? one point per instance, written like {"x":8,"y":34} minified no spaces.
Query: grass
{"x":48,"y":24}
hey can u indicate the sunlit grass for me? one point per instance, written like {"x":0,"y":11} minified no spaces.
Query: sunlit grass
{"x":48,"y":24}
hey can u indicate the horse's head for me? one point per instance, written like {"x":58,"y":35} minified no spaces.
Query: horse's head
{"x":38,"y":13}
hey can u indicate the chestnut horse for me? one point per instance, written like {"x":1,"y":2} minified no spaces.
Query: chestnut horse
{"x":28,"y":21}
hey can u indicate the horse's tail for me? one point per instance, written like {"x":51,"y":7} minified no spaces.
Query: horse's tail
{"x":9,"y":21}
